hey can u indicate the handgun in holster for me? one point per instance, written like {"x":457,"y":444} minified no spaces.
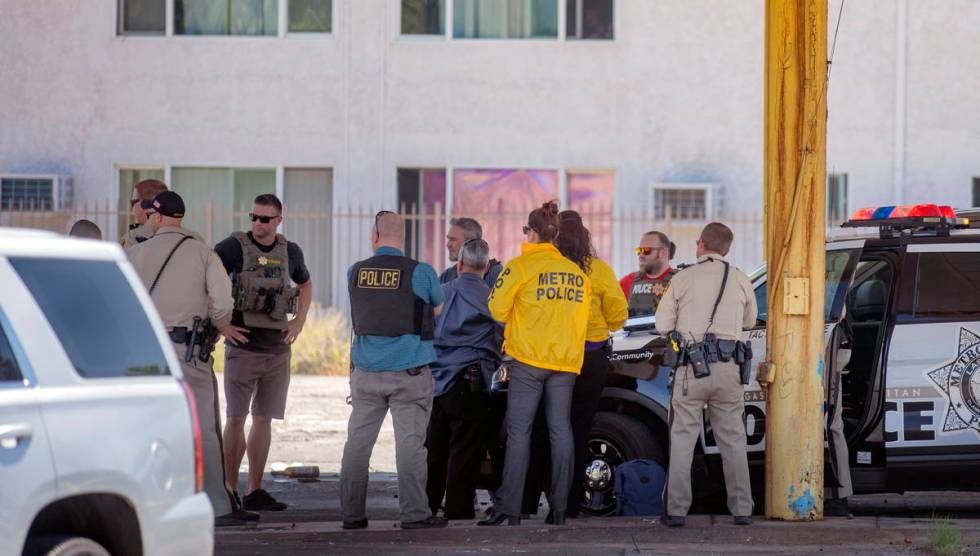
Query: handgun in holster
{"x":743,"y":357}
{"x":209,"y":336}
{"x":674,"y":354}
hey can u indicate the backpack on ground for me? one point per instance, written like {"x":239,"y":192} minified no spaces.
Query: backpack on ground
{"x":639,"y":487}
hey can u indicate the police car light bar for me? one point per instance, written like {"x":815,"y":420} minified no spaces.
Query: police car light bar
{"x":891,"y":218}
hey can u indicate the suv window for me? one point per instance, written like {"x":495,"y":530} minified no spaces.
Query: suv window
{"x":9,"y":369}
{"x":96,"y":315}
{"x":835,"y":282}
{"x":948,"y":286}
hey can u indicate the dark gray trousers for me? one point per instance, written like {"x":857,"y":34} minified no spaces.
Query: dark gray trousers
{"x":525,"y":390}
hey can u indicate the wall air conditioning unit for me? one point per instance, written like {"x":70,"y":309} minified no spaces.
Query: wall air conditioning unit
{"x":36,"y":192}
{"x":682,"y":201}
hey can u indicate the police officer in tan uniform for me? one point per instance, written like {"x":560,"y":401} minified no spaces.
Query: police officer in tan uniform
{"x":189,"y":286}
{"x":141,"y":206}
{"x":706,"y":308}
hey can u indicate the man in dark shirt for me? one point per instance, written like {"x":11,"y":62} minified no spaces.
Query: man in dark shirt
{"x":462,"y":230}
{"x":468,"y":343}
{"x":263,"y":267}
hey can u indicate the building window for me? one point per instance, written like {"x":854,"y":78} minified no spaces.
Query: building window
{"x":681,"y":202}
{"x":28,"y":193}
{"x":591,"y":194}
{"x":226,"y":17}
{"x":836,"y":199}
{"x":422,"y":199}
{"x":589,"y":19}
{"x":501,"y":200}
{"x":976,"y":193}
{"x":423,"y":17}
{"x":505,"y":19}
{"x":142,"y":17}
{"x":307,"y":199}
{"x":218,"y":199}
{"x":310,"y":16}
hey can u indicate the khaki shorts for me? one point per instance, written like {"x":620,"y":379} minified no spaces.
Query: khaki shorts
{"x":266,"y":375}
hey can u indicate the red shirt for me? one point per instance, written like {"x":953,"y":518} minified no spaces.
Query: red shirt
{"x":626,"y":282}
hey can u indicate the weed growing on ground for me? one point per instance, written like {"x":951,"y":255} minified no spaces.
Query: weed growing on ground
{"x":323,"y":347}
{"x":945,"y":539}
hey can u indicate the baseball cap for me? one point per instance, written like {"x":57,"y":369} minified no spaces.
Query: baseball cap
{"x":169,"y":203}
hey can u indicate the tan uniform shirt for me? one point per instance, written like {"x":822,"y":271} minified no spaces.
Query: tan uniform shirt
{"x":686,"y":306}
{"x":194,"y":283}
{"x":129,"y":239}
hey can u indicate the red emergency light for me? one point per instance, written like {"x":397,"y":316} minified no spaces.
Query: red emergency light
{"x":892,"y":218}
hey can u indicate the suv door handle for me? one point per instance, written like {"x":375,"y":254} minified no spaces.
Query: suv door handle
{"x":11,"y":435}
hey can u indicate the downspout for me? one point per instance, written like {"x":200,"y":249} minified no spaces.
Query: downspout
{"x":901,"y":58}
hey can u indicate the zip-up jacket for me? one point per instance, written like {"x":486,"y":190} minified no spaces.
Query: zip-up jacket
{"x":609,"y":306}
{"x":544,"y":301}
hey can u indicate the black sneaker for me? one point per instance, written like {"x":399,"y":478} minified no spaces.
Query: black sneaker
{"x":837,"y":507}
{"x":262,"y":501}
{"x":672,"y":520}
{"x":235,"y":518}
{"x":429,"y":523}
{"x":359,"y":524}
{"x":743,"y":520}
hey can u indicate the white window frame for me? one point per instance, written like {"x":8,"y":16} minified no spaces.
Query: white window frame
{"x":709,"y":197}
{"x":282,"y":30}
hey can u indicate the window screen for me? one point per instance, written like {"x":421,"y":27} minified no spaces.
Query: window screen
{"x":96,"y":316}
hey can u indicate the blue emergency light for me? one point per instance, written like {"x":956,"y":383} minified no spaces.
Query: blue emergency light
{"x":892,"y":219}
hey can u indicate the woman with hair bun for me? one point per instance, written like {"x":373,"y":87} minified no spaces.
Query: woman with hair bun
{"x":543,"y":299}
{"x":608,"y":314}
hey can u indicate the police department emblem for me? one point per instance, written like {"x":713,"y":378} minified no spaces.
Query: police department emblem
{"x":960,"y":381}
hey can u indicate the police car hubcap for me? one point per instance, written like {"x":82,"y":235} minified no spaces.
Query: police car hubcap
{"x":598,"y":474}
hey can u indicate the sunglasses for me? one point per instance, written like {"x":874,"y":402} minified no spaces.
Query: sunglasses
{"x":261,"y":218}
{"x":647,"y":250}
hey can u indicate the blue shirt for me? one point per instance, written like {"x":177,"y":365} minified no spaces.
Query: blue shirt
{"x":452,"y":273}
{"x":383,"y":353}
{"x":466,"y":333}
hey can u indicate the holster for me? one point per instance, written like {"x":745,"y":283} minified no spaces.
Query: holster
{"x":743,"y":357}
{"x":675,"y":353}
{"x":698,"y":360}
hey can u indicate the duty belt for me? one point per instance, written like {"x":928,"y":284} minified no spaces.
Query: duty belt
{"x":202,"y":333}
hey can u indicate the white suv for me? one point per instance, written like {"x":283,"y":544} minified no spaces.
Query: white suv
{"x":99,"y":442}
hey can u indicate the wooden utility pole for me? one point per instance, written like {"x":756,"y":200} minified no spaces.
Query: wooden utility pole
{"x":795,"y":174}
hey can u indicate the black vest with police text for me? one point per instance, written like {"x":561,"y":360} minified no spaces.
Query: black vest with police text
{"x":382,"y":302}
{"x":645,"y":294}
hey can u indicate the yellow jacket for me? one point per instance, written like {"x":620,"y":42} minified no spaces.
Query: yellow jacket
{"x":544,"y":301}
{"x":609,"y":306}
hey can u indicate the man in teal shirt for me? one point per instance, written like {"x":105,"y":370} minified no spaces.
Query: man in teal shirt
{"x":394,"y":300}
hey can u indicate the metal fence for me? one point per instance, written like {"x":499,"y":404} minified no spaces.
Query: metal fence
{"x":332,"y":241}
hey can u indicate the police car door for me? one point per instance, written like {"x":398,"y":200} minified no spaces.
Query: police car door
{"x":842,"y":257}
{"x":932,"y":404}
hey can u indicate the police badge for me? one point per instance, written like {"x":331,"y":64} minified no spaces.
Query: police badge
{"x":959,"y":380}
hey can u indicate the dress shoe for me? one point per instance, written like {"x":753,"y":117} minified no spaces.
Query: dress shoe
{"x":431,"y":522}
{"x":496,"y":519}
{"x":743,"y":520}
{"x":555,"y":518}
{"x":673,"y":520}
{"x":359,"y":524}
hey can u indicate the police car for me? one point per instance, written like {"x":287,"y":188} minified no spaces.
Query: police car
{"x":911,"y":391}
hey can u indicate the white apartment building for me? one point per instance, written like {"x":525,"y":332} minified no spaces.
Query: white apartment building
{"x":633,"y":110}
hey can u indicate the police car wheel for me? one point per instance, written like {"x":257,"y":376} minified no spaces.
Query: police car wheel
{"x":64,"y":546}
{"x":615,"y":438}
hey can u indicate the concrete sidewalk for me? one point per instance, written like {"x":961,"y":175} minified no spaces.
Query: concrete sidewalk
{"x":887,"y":524}
{"x":703,"y":534}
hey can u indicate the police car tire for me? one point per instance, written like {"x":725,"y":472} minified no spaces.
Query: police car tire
{"x":629,"y":435}
{"x":64,"y":546}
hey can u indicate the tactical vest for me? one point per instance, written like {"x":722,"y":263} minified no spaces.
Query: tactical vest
{"x":645,"y":294}
{"x":262,"y":290}
{"x":382,"y":302}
